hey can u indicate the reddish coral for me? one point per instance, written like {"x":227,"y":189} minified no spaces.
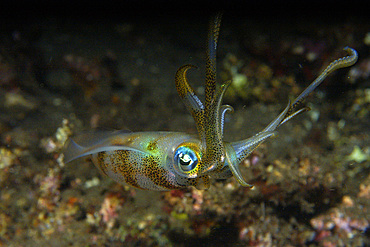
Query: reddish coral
{"x":109,"y":209}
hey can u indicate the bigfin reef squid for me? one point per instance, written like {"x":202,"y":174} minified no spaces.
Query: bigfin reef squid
{"x":175,"y":160}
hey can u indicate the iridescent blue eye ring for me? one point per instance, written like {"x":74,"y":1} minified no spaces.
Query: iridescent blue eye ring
{"x":186,"y":159}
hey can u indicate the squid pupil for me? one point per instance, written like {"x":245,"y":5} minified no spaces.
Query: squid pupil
{"x":186,"y":159}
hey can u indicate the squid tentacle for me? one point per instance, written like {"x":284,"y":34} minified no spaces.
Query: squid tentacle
{"x":210,"y":85}
{"x":245,"y":147}
{"x":223,"y":110}
{"x":213,"y":148}
{"x":190,"y":99}
{"x":333,"y":66}
{"x":343,"y":62}
{"x":289,"y":112}
{"x":215,"y":152}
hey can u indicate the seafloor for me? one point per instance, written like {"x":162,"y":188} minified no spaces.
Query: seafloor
{"x":60,"y":75}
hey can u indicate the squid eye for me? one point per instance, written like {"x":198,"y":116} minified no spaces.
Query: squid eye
{"x":186,"y":159}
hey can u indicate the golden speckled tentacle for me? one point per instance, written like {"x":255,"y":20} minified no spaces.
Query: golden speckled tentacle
{"x":289,"y":112}
{"x":214,"y":149}
{"x":209,"y":119}
{"x":190,"y":99}
{"x":333,"y":66}
{"x":244,"y":148}
{"x":210,"y":87}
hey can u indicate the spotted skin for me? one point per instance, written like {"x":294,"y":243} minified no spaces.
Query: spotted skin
{"x":146,"y":167}
{"x":172,"y":160}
